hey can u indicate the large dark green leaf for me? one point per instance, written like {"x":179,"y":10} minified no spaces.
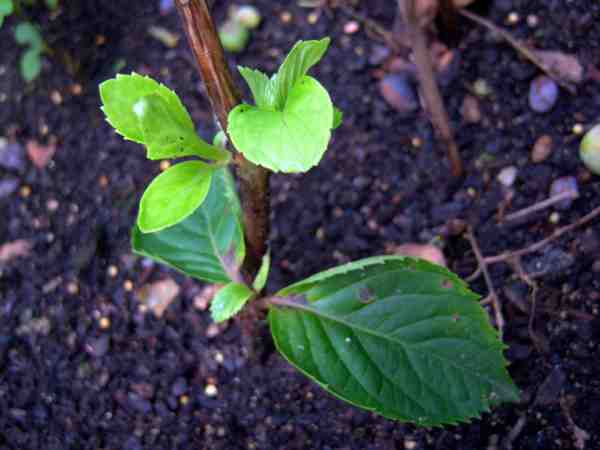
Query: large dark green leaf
{"x":399,"y":336}
{"x":209,"y":244}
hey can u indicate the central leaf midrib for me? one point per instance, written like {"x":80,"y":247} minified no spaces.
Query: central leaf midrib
{"x":406,"y":346}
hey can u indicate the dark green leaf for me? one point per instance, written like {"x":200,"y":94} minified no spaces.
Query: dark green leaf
{"x":174,"y":195}
{"x":167,"y":137}
{"x":399,"y":336}
{"x":338,"y":117}
{"x":229,"y":301}
{"x":209,"y":244}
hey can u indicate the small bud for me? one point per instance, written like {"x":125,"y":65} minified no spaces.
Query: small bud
{"x":589,"y":150}
{"x":234,"y":36}
{"x":248,"y":16}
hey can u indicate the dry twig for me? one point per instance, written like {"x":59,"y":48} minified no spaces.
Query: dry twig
{"x":539,"y":206}
{"x":520,"y":47}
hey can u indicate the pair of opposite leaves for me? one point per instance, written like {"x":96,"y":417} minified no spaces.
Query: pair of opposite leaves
{"x":288,"y":131}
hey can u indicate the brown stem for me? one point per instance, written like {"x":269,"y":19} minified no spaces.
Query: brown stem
{"x":254,"y":181}
{"x":431,"y":92}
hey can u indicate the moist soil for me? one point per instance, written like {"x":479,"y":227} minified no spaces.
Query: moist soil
{"x":82,"y":366}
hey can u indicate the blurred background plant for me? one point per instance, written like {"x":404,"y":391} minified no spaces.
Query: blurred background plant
{"x":27,"y":34}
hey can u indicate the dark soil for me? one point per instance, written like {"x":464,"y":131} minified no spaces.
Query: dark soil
{"x":70,"y":379}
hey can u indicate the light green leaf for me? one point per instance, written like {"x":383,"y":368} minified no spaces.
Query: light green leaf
{"x":209,"y":244}
{"x":52,"y":4}
{"x":338,"y":117}
{"x":292,"y":140}
{"x":6,"y":9}
{"x":296,"y":65}
{"x":399,"y":336}
{"x":263,"y":273}
{"x":166,"y":137}
{"x":229,"y":301}
{"x":120,"y":94}
{"x":31,"y":65}
{"x":174,"y":195}
{"x":260,"y":86}
{"x":27,"y":34}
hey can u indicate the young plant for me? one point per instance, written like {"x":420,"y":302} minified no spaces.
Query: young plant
{"x":27,"y":35}
{"x":400,"y":336}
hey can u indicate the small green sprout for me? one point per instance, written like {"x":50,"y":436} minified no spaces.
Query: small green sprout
{"x":590,"y":149}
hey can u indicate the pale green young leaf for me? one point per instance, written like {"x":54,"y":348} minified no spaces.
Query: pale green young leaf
{"x":31,"y":64}
{"x":292,"y":140}
{"x":174,"y":195}
{"x":263,"y":273}
{"x":120,"y":94}
{"x":6,"y":9}
{"x":52,"y":4}
{"x":399,"y":336}
{"x":260,"y":86}
{"x":229,"y":301}
{"x":166,"y":137}
{"x":209,"y":244}
{"x":296,"y":65}
{"x":338,"y":117}
{"x":27,"y":33}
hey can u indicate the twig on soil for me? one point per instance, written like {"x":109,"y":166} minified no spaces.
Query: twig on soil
{"x":492,"y":295}
{"x":540,"y":205}
{"x":506,"y":256}
{"x":430,"y":89}
{"x":515,"y":431}
{"x":520,"y":47}
{"x":580,"y":436}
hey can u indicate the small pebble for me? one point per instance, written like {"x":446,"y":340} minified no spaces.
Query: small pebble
{"x":554,"y":218}
{"x":104,"y":323}
{"x":25,"y":191}
{"x":12,"y":155}
{"x":541,"y":149}
{"x":164,"y":165}
{"x":513,"y":18}
{"x":76,"y":89}
{"x":72,"y":288}
{"x":212,"y":330}
{"x":398,"y":92}
{"x":507,"y":176}
{"x":52,"y":205}
{"x":481,"y":88}
{"x":285,"y":17}
{"x":564,"y":184}
{"x":112,"y":271}
{"x":128,"y":285}
{"x":8,"y":185}
{"x":589,"y":149}
{"x":56,"y":97}
{"x":533,"y":20}
{"x":184,"y":400}
{"x":211,"y":390}
{"x":312,"y":18}
{"x":470,"y":110}
{"x":351,"y":27}
{"x":543,"y":94}
{"x":578,"y":129}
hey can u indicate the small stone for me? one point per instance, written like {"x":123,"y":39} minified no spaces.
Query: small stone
{"x":312,"y":18}
{"x":481,"y":88}
{"x":112,"y":271}
{"x":554,"y":218}
{"x":8,"y":185}
{"x":212,"y":330}
{"x":470,"y":110}
{"x":285,"y":17}
{"x":12,"y":155}
{"x":76,"y":89}
{"x":72,"y":288}
{"x":104,"y":323}
{"x":351,"y":27}
{"x":128,"y":285}
{"x":507,"y":176}
{"x":159,"y":295}
{"x":56,"y":97}
{"x":52,"y":205}
{"x":541,"y":149}
{"x":164,"y":165}
{"x":513,"y":18}
{"x":98,"y":347}
{"x":247,"y":15}
{"x":578,"y":129}
{"x":543,"y":94}
{"x":561,"y":185}
{"x":40,"y":155}
{"x":211,"y":390}
{"x":398,"y":92}
{"x":532,"y":21}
